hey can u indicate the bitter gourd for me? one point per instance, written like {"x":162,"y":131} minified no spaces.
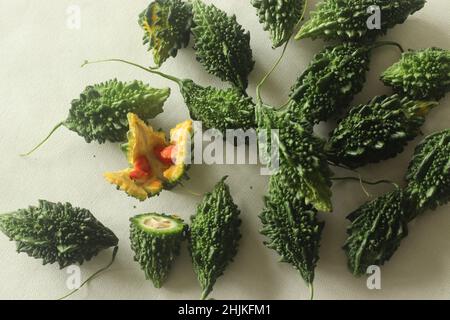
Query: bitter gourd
{"x":376,"y":231}
{"x":428,"y":174}
{"x":222,"y":46}
{"x":156,"y":239}
{"x":167,"y":26}
{"x":100,"y":114}
{"x":348,"y":19}
{"x":214,"y":236}
{"x":154,"y":163}
{"x":219,"y":109}
{"x":376,"y":131}
{"x":279,"y":17}
{"x":330,"y":82}
{"x":422,"y":74}
{"x":301,"y":155}
{"x":291,"y":225}
{"x":57,"y":232}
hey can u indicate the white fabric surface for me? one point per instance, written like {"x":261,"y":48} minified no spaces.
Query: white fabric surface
{"x":40,"y":60}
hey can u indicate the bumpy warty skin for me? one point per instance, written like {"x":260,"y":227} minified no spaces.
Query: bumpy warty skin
{"x":291,"y":226}
{"x":376,"y":231}
{"x":421,"y":75}
{"x":219,"y":109}
{"x":376,"y":131}
{"x":346,"y":20}
{"x":167,"y":25}
{"x":214,"y":236}
{"x":56,"y":232}
{"x":279,"y":18}
{"x":100,"y":113}
{"x":330,"y":82}
{"x":156,"y":251}
{"x":222,"y":46}
{"x":301,"y":154}
{"x":428,"y":175}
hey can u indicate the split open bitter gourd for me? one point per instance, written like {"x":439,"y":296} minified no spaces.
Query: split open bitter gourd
{"x":330,"y":82}
{"x":348,"y":19}
{"x":57,"y":232}
{"x":222,"y":46}
{"x":214,"y":236}
{"x":156,"y":239}
{"x":377,"y":131}
{"x":167,"y":26}
{"x":376,"y":231}
{"x":279,"y":17}
{"x":428,"y":174}
{"x":291,"y":226}
{"x":154,"y":163}
{"x":422,"y":74}
{"x":100,"y":114}
{"x":301,"y":155}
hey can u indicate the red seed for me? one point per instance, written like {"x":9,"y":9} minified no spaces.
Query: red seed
{"x":141,"y":168}
{"x":137,"y":174}
{"x":164,"y":154}
{"x":142,"y":164}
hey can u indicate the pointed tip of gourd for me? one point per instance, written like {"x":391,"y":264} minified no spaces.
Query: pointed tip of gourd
{"x":311,"y":291}
{"x":424,"y":107}
{"x":300,"y":35}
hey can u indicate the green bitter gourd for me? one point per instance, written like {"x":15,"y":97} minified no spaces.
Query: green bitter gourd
{"x":428,"y":174}
{"x":376,"y":131}
{"x":167,"y":25}
{"x":422,"y":74}
{"x":376,"y":231}
{"x":222,"y":46}
{"x":100,"y":114}
{"x":56,"y":232}
{"x":219,"y":109}
{"x":348,"y":19}
{"x":279,"y":18}
{"x":214,"y":236}
{"x":291,"y":226}
{"x":301,"y":154}
{"x":156,"y":239}
{"x":330,"y":82}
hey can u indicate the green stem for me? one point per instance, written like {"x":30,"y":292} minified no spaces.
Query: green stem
{"x":204,"y":295}
{"x":94,"y":275}
{"x":353,"y":170}
{"x":263,"y":80}
{"x":150,"y":70}
{"x":388,"y":43}
{"x":43,"y":141}
{"x":284,"y":105}
{"x":311,"y":291}
{"x":365,"y":181}
{"x":189,"y":191}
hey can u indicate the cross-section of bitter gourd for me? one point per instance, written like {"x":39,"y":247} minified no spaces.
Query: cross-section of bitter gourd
{"x":155,"y":164}
{"x":156,"y":239}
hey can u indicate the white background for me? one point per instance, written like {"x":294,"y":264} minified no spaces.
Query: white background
{"x":40,"y":60}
